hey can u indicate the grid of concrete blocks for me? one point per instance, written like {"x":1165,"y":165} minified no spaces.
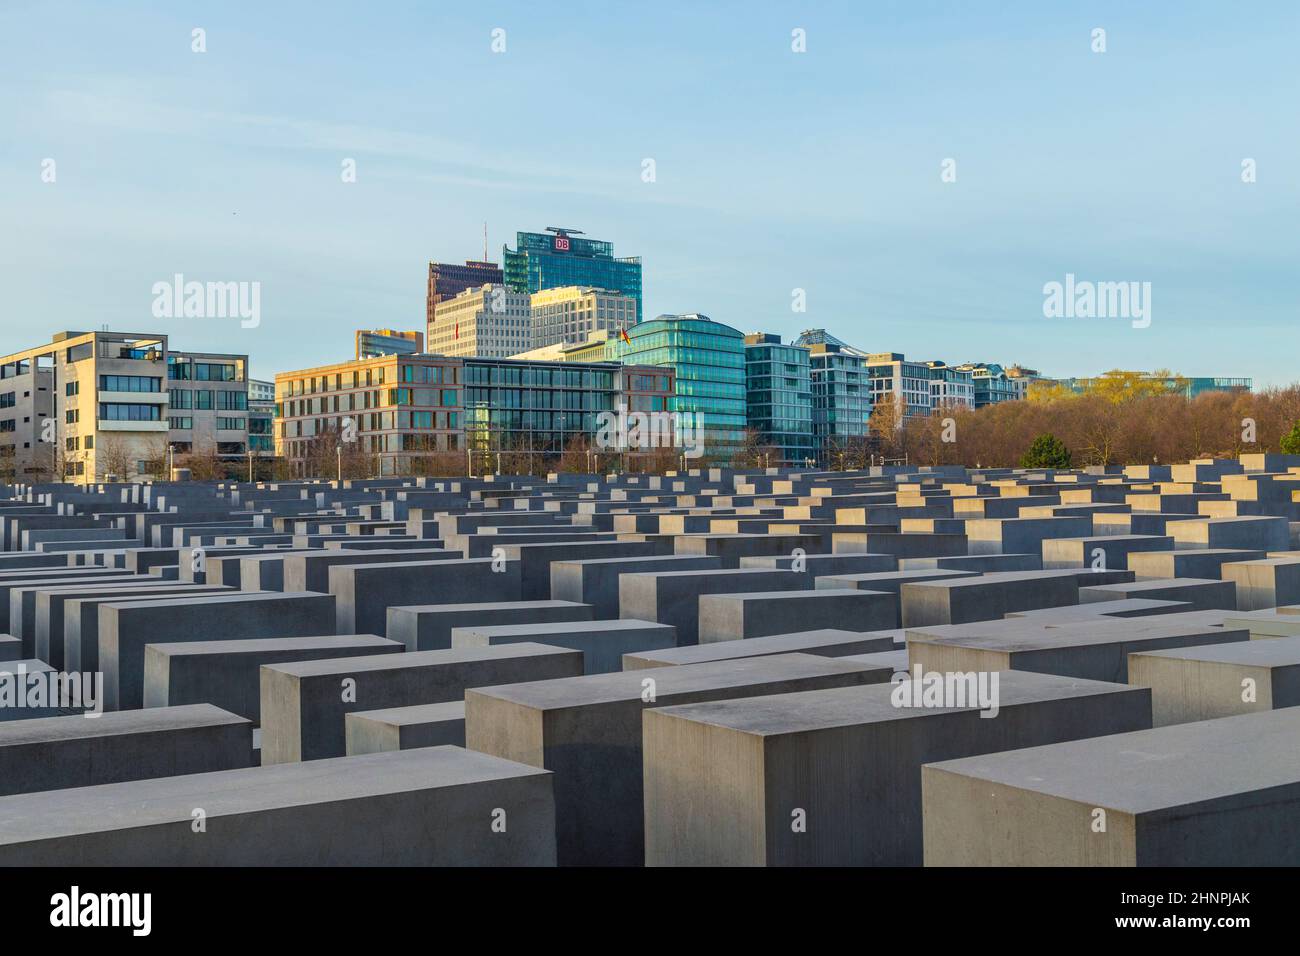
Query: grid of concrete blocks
{"x":894,"y":666}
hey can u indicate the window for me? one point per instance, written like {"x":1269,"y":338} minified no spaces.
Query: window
{"x":230,"y":424}
{"x":203,"y":399}
{"x":123,"y":412}
{"x":130,"y":383}
{"x":231,"y":401}
{"x":72,"y":388}
{"x":72,"y":416}
{"x":180,"y":398}
{"x":7,"y":400}
{"x":180,"y":422}
{"x":90,"y":442}
{"x":212,"y":372}
{"x":9,"y":425}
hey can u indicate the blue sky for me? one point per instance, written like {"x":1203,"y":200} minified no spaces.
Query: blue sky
{"x":774,"y":170}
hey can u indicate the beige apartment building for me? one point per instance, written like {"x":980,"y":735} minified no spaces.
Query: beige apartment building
{"x":488,"y":320}
{"x":95,"y":406}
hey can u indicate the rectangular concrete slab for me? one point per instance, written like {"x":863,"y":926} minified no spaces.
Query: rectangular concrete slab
{"x":403,"y":728}
{"x":434,"y":806}
{"x":602,"y":643}
{"x":54,"y":753}
{"x":1218,"y":680}
{"x":826,"y":642}
{"x":833,"y":777}
{"x":588,"y":730}
{"x":734,"y":617}
{"x":227,"y":673}
{"x":428,"y":627}
{"x":304,"y":703}
{"x":1212,"y":793}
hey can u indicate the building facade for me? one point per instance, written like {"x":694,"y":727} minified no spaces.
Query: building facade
{"x":98,"y":406}
{"x":907,"y":384}
{"x":950,"y":387}
{"x":207,"y":404}
{"x":841,"y":396}
{"x":407,"y":414}
{"x":778,"y":398}
{"x":489,"y":321}
{"x":396,"y":412}
{"x":261,"y":417}
{"x":373,"y":342}
{"x":708,"y":362}
{"x":992,"y":383}
{"x":568,"y":315}
{"x":449,"y":279}
{"x":531,"y":411}
{"x":564,"y":257}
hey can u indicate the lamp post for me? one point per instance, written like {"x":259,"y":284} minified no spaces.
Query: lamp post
{"x":338,"y":452}
{"x":250,"y":463}
{"x":171,"y":462}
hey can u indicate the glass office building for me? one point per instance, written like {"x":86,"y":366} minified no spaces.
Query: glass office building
{"x":779,"y":403}
{"x":708,"y":359}
{"x":561,"y":257}
{"x":841,"y":394}
{"x":538,"y":409}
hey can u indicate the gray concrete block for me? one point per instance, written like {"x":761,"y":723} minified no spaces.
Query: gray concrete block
{"x":734,"y":617}
{"x":1219,"y":680}
{"x":595,"y":581}
{"x":673,"y":597}
{"x":1264,"y":583}
{"x":602,"y":643}
{"x":127,"y":627}
{"x":404,"y":728}
{"x":434,"y":806}
{"x":984,"y":598}
{"x":227,"y":673}
{"x":826,"y":642}
{"x":1212,"y":793}
{"x":1088,"y":650}
{"x":1200,"y":594}
{"x":535,"y":560}
{"x":728,"y":782}
{"x":365,"y":592}
{"x":588,"y":730}
{"x":428,"y":627}
{"x":310,"y":570}
{"x":304,"y":703}
{"x":1104,"y":551}
{"x":58,"y":752}
{"x":1255,"y":533}
{"x":1022,"y":535}
{"x":1200,"y":563}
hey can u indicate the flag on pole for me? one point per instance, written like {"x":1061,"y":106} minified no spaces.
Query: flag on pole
{"x":622,"y":333}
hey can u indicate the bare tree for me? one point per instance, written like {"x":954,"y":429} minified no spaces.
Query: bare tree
{"x":113,"y":457}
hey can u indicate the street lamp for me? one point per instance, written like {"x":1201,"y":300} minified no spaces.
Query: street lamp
{"x":171,"y":462}
{"x":338,"y":452}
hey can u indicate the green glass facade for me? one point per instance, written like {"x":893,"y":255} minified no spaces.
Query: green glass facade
{"x":709,"y":361}
{"x":779,"y":402}
{"x":841,"y":396}
{"x":537,"y":407}
{"x":550,"y":261}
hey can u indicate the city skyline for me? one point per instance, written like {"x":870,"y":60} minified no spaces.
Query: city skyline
{"x":824,"y":173}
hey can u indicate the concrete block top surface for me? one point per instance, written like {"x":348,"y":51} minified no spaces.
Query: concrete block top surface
{"x":1034,"y":636}
{"x":263,"y":645}
{"x":1149,"y":770}
{"x":161,"y":800}
{"x":40,"y":730}
{"x":456,"y":655}
{"x":484,"y":606}
{"x":415,"y":714}
{"x":794,"y":643}
{"x":234,"y":597}
{"x":566,"y":692}
{"x":563,"y":627}
{"x":1276,"y":652}
{"x":814,"y":710}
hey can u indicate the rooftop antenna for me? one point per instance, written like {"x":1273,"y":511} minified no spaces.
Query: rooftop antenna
{"x":485,"y":258}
